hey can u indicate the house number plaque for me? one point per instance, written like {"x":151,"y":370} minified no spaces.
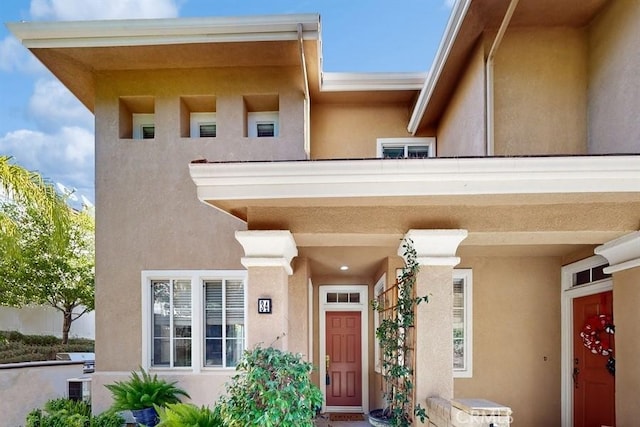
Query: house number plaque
{"x":264,"y":305}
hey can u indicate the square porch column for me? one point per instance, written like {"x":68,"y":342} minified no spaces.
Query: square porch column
{"x":268,"y":255}
{"x":435,"y":252}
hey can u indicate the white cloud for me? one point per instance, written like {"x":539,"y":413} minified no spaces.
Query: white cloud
{"x":449,"y":3}
{"x":52,"y":105}
{"x":66,"y":156}
{"x":69,"y":10}
{"x":14,"y":57}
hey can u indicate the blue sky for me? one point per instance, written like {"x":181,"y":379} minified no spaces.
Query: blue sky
{"x":46,"y":129}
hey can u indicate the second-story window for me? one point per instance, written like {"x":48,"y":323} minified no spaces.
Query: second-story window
{"x":144,"y":126}
{"x":262,"y":124}
{"x":203,"y":125}
{"x":407,"y":148}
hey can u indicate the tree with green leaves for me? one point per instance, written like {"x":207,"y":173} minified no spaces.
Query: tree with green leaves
{"x":46,"y":269}
{"x":27,"y":188}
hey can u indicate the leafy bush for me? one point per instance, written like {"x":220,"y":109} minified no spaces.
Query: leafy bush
{"x":68,"y":413}
{"x":186,"y":414}
{"x":272,"y":388}
{"x":70,"y":406}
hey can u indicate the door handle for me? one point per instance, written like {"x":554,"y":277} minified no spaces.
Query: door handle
{"x":327,"y":361}
{"x":576,"y":372}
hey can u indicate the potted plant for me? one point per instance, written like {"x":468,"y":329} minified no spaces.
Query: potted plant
{"x":395,"y":335}
{"x":141,"y":392}
{"x":272,"y":388}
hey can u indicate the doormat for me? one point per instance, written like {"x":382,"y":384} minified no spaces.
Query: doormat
{"x":338,"y":416}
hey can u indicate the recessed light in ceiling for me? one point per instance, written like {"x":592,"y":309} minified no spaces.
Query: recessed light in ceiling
{"x":344,"y":267}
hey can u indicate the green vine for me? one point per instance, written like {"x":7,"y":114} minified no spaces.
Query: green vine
{"x":396,"y":337}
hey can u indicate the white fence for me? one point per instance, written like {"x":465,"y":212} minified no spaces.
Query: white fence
{"x":43,"y":320}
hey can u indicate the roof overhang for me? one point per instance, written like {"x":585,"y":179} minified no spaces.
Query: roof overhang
{"x":75,"y":51}
{"x":232,"y":187}
{"x":145,"y":32}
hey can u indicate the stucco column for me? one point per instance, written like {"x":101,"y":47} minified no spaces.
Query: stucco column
{"x":623,"y":255}
{"x":435,"y":251}
{"x":268,"y":255}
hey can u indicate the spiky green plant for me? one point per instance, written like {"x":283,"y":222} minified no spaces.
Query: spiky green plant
{"x":144,"y":391}
{"x":188,"y":415}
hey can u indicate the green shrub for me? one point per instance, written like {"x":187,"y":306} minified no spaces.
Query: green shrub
{"x":69,"y":406}
{"x":69,"y":413}
{"x":186,"y":414}
{"x":272,"y":388}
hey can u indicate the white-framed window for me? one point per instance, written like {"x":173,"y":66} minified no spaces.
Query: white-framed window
{"x":203,"y":125}
{"x":193,"y":319}
{"x":462,"y":323}
{"x":410,"y":148}
{"x":144,"y":126}
{"x":262,"y":124}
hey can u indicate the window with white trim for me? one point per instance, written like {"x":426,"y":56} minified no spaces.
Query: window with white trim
{"x":203,"y":125}
{"x":224,"y":330}
{"x":193,"y":319}
{"x":144,"y":126}
{"x":410,"y":148}
{"x":171,"y":336}
{"x":462,"y":323}
{"x":262,"y":124}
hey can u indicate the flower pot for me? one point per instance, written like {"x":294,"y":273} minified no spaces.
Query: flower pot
{"x":377,"y":418}
{"x":147,"y":417}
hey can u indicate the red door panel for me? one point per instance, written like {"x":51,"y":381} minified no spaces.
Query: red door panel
{"x":345,"y":362}
{"x":594,"y":386}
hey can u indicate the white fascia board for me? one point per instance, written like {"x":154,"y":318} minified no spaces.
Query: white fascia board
{"x":416,"y":177}
{"x":451,"y":32}
{"x":139,"y":32}
{"x":346,"y":82}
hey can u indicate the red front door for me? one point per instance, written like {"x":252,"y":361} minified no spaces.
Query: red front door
{"x":594,"y":385}
{"x":344,"y":363}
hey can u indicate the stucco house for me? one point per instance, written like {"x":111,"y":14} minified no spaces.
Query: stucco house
{"x":234,"y":179}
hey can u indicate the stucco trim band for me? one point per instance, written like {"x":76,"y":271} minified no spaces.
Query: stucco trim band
{"x":415,"y":177}
{"x":267,"y":248}
{"x":435,"y":247}
{"x":622,"y":253}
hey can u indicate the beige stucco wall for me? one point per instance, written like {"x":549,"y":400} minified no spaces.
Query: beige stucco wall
{"x":614,"y":61}
{"x":540,"y":91}
{"x":299,"y":307}
{"x":626,"y":300}
{"x":462,"y":128}
{"x":516,"y":337}
{"x":351,"y":130}
{"x":148,"y":216}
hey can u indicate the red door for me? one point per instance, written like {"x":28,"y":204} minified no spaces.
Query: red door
{"x":344,"y":362}
{"x":594,"y":385}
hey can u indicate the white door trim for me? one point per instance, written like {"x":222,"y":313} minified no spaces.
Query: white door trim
{"x":569,"y":292}
{"x":362,"y":307}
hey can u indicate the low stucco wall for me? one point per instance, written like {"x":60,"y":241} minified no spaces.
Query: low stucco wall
{"x":26,"y":386}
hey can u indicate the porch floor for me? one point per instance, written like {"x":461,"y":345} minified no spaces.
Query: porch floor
{"x":323,"y":421}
